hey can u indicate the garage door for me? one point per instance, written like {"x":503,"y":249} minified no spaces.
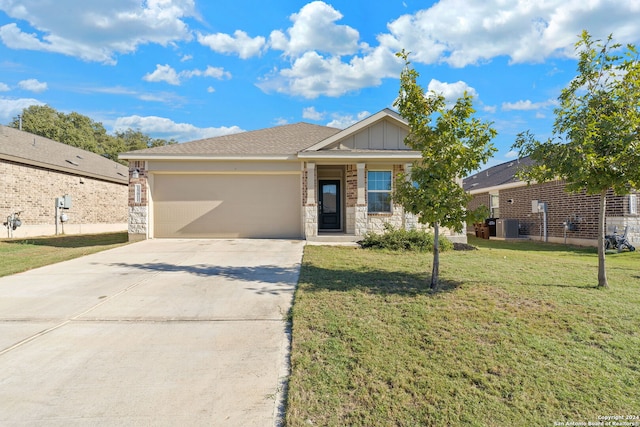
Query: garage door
{"x":227,"y":206}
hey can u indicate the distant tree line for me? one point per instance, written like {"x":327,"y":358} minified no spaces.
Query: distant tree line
{"x":82,"y":132}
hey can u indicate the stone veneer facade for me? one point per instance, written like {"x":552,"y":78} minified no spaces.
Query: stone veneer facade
{"x":357,"y":220}
{"x":98,"y":206}
{"x":138,"y":210}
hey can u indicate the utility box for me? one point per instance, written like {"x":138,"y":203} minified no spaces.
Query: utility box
{"x":63,"y":202}
{"x":507,"y":228}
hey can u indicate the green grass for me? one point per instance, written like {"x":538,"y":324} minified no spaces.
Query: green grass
{"x":24,"y":254}
{"x":517,"y":335}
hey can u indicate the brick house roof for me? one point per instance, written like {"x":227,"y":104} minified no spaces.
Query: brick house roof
{"x":279,"y":140}
{"x":24,"y":147}
{"x":501,"y":174}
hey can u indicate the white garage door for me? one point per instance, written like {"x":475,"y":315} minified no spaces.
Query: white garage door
{"x":227,"y":206}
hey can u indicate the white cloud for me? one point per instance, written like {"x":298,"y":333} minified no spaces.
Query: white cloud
{"x":212,"y":72}
{"x":281,"y":121}
{"x":527,"y":105}
{"x":511,"y":155}
{"x":33,"y":85}
{"x":311,"y":114}
{"x":327,"y":59}
{"x":489,"y":108}
{"x":96,"y":31}
{"x":4,"y":87}
{"x":160,"y":127}
{"x":211,"y":89}
{"x":314,"y":28}
{"x":451,"y":91}
{"x":163,"y":73}
{"x":346,"y":120}
{"x":464,"y":32}
{"x":166,"y":73}
{"x":240,"y":43}
{"x":313,"y":75}
{"x":164,"y":97}
{"x":186,"y":58}
{"x":10,"y":108}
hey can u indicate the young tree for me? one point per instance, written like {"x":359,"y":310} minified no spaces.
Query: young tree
{"x":453,"y":144}
{"x":595,"y":145}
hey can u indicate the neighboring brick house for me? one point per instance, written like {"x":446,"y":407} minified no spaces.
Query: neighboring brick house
{"x":34,"y":171}
{"x":570,"y":217}
{"x":293,"y":181}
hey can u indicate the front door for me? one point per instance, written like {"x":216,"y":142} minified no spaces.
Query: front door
{"x":329,"y":205}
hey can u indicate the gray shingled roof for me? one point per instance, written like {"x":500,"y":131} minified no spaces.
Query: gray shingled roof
{"x":279,"y":140}
{"x":501,"y":174}
{"x":27,"y":148}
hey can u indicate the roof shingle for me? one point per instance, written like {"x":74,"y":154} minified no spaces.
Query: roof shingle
{"x":501,"y":174}
{"x":279,"y":140}
{"x":17,"y":145}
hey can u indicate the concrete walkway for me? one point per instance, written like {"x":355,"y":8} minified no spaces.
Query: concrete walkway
{"x":161,"y":332}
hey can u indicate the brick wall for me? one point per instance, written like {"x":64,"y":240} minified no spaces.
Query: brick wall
{"x":142,"y":180}
{"x":579,"y":209}
{"x":97,"y":205}
{"x":352,"y":185}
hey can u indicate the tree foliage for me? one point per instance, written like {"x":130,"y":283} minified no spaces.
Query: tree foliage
{"x":595,"y":144}
{"x":81,"y":131}
{"x":453,"y":143}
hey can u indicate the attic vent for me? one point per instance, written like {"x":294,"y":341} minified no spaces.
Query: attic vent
{"x":72,"y":162}
{"x":474,"y":184}
{"x":80,"y":157}
{"x":475,"y":176}
{"x":510,"y":164}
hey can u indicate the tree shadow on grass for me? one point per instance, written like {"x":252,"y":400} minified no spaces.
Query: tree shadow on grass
{"x":530,"y":246}
{"x":74,"y":241}
{"x":375,"y":281}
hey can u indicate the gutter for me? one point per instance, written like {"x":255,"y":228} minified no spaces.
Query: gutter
{"x":182,"y":157}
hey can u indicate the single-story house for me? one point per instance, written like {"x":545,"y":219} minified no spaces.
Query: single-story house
{"x":519,"y":209}
{"x":297,"y":181}
{"x":36,"y":171}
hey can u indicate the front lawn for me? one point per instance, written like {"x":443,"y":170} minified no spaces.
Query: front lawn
{"x":517,"y":335}
{"x":17,"y":255}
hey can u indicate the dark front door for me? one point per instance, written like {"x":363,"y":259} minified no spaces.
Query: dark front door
{"x":329,"y":205}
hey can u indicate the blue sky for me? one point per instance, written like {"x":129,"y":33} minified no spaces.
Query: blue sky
{"x":188,"y":69}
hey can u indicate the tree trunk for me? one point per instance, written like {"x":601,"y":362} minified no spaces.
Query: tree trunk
{"x":602,"y":273}
{"x":435,"y":272}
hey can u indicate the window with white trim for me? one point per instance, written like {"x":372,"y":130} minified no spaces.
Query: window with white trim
{"x":633,"y":204}
{"x":137,"y":193}
{"x":494,"y":207}
{"x":379,"y":191}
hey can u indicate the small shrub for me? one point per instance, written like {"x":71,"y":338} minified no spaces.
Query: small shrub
{"x":403,"y":240}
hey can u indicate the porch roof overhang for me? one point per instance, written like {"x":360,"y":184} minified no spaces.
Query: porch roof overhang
{"x":361,"y":155}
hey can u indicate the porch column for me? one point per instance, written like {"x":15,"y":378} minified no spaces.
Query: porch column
{"x":361,"y":203}
{"x":310,"y":207}
{"x":139,"y":201}
{"x":410,"y":220}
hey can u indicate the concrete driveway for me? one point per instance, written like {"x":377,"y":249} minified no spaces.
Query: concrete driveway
{"x":161,"y":332}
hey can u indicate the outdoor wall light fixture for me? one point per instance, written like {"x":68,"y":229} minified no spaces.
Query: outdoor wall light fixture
{"x":510,"y":201}
{"x":135,"y":174}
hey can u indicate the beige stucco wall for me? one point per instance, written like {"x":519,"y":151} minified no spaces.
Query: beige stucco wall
{"x":97,"y":206}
